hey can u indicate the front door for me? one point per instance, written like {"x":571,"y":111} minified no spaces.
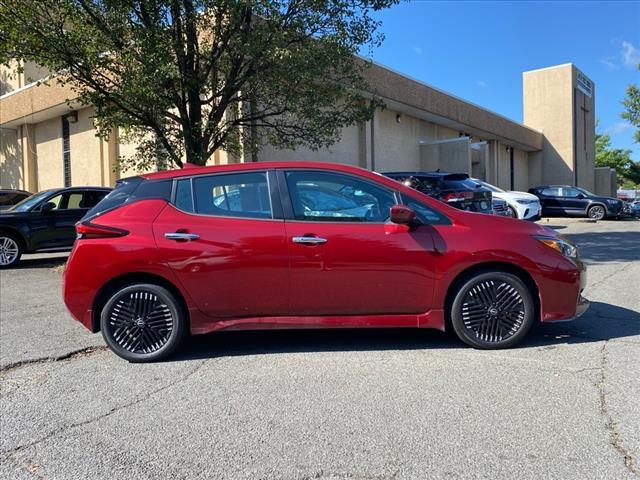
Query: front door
{"x":574,"y":201}
{"x":221,"y":238}
{"x":346,"y":258}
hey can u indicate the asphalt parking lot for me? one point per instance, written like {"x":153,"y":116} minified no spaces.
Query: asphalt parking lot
{"x":328,"y":404}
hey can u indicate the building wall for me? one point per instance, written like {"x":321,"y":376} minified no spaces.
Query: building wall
{"x":85,"y":147}
{"x":48,"y":138}
{"x":521,"y":168}
{"x":11,"y":174}
{"x":548,"y":106}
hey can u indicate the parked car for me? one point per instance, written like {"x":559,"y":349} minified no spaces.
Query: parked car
{"x":500,"y":207}
{"x":307,"y":245}
{"x":565,"y":200}
{"x":44,"y":221}
{"x":8,"y":197}
{"x":634,"y":208}
{"x":456,"y":189}
{"x":522,"y":205}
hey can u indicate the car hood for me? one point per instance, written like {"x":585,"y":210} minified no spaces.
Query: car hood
{"x":514,"y":195}
{"x":499,"y":224}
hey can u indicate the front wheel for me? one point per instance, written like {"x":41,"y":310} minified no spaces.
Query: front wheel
{"x":10,"y":250}
{"x":512,"y":212}
{"x":492,"y":310}
{"x":143,"y":323}
{"x":597,"y":212}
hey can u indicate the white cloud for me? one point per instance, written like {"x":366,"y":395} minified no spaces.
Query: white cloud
{"x":609,"y":63}
{"x":481,"y":84}
{"x":618,"y":128}
{"x":417,"y":49}
{"x":630,"y":55}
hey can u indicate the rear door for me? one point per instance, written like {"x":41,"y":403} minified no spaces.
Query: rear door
{"x":551,"y":201}
{"x":224,"y":237}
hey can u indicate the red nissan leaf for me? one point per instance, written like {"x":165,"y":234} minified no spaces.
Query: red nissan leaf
{"x":307,"y":245}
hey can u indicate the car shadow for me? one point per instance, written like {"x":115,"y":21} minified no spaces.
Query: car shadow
{"x":601,"y":322}
{"x":608,"y":246}
{"x":50,"y":261}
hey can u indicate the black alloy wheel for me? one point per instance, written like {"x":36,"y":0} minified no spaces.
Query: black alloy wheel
{"x":493,"y":310}
{"x":597,"y":212}
{"x":143,"y":323}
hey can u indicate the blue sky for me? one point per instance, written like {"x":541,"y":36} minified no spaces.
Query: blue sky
{"x":478,"y":50}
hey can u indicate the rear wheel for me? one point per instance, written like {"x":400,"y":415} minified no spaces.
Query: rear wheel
{"x":10,"y":250}
{"x":492,"y":310}
{"x":143,"y":323}
{"x":597,"y":212}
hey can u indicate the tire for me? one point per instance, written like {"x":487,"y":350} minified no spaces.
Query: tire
{"x":597,"y":212}
{"x":492,"y":310}
{"x":143,"y":323}
{"x":512,"y":212}
{"x":10,"y":250}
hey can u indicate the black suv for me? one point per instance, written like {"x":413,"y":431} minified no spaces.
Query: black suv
{"x":44,"y":221}
{"x":456,"y":189}
{"x":565,"y":200}
{"x":8,"y":197}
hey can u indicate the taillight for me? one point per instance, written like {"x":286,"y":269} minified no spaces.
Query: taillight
{"x":457,"y":196}
{"x":87,"y":229}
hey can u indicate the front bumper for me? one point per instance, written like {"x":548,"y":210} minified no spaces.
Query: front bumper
{"x":582,"y":306}
{"x":529,"y":211}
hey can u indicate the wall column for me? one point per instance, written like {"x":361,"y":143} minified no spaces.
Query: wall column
{"x":29,"y":157}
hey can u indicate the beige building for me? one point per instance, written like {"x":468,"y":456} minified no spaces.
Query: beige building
{"x":47,"y":142}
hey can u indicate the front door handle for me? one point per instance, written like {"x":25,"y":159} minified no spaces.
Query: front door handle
{"x":309,"y":240}
{"x":180,"y":236}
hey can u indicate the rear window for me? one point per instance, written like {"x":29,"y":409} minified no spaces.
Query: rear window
{"x":461,"y":184}
{"x":129,"y":190}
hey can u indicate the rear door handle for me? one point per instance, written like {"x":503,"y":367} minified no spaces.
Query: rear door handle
{"x":179,"y":236}
{"x":309,"y":240}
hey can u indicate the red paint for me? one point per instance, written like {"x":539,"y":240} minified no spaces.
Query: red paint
{"x":248,"y":274}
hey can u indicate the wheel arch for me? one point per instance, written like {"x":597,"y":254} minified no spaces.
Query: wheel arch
{"x":491,"y":266}
{"x":599,"y":204}
{"x":120,"y":281}
{"x":16,"y":233}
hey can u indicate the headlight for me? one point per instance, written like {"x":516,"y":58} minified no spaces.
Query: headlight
{"x":565,"y":247}
{"x":526,"y":202}
{"x":611,"y":201}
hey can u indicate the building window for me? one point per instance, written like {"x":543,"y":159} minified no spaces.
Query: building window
{"x":66,"y":152}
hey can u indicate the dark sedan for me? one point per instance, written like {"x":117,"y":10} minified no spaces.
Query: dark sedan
{"x":44,"y":222}
{"x":9,"y":197}
{"x":565,"y":200}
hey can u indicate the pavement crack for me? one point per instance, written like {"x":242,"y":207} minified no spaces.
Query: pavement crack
{"x":615,"y":438}
{"x":81,"y":353}
{"x":135,"y":401}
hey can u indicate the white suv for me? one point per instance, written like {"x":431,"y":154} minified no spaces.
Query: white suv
{"x":522,"y":205}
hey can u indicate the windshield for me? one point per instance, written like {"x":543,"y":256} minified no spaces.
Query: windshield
{"x":493,"y":188}
{"x":29,"y":202}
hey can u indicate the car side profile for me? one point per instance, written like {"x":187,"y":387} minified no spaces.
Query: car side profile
{"x":522,"y":205}
{"x":278,"y":245}
{"x":565,"y":200}
{"x":45,"y":221}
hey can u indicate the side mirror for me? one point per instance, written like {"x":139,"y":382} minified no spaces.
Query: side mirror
{"x":47,"y":207}
{"x":402,"y":215}
{"x":581,"y":196}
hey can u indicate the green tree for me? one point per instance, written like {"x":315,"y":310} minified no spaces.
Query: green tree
{"x":187,"y":77}
{"x":632,"y":108}
{"x":617,"y":158}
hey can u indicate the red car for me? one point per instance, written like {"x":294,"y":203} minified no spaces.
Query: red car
{"x":307,"y":245}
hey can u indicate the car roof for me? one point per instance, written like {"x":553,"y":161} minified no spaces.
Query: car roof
{"x":554,"y":186}
{"x":430,"y":174}
{"x":271,"y":165}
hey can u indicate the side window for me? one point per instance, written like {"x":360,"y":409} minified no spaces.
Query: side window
{"x":233,"y":195}
{"x":570,"y":192}
{"x":331,"y":197}
{"x":426,"y":215}
{"x":74,"y":200}
{"x":57,"y":201}
{"x":551,"y":192}
{"x":184,"y":199}
{"x":91,"y":198}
